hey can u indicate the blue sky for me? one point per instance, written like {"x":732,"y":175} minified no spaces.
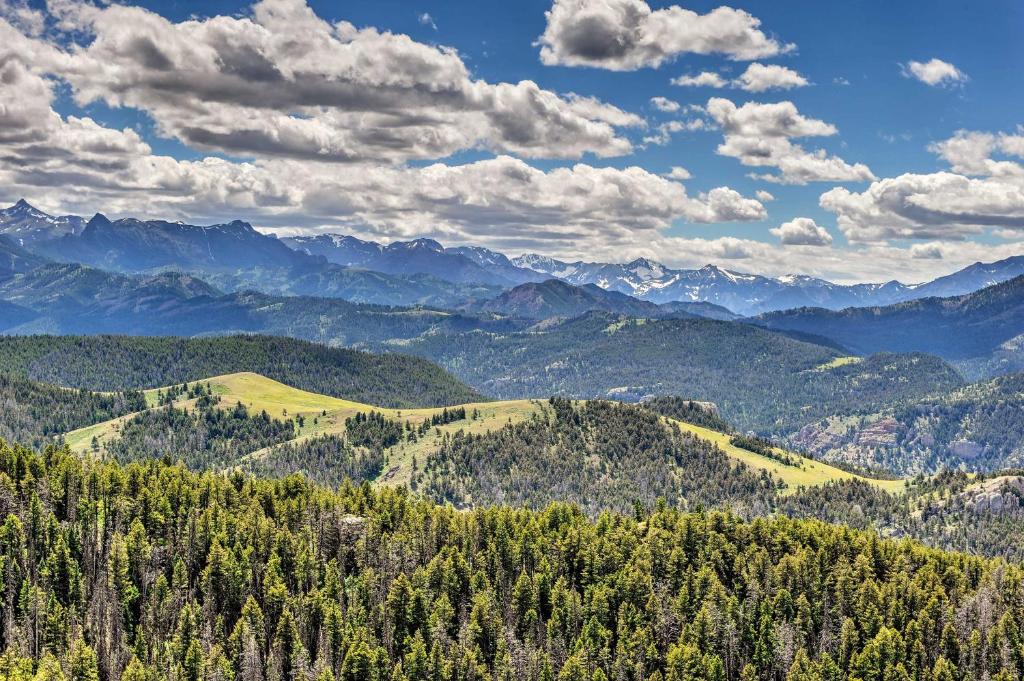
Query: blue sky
{"x":182,"y":156}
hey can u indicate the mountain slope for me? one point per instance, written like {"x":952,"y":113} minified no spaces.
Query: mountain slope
{"x":70,"y":298}
{"x":12,"y":315}
{"x":420,"y":256}
{"x":26,"y":225}
{"x":968,"y":327}
{"x":979,"y":427}
{"x":556,"y":298}
{"x":972,"y":278}
{"x":125,"y":362}
{"x":758,"y":379}
{"x":14,"y":258}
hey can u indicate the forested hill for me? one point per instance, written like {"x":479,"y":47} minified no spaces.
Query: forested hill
{"x":759,"y":379}
{"x":126,"y":362}
{"x":149,"y":572}
{"x":33,"y":412}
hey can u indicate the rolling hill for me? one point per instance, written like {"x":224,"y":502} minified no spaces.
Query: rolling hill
{"x":123,"y":362}
{"x":408,"y":459}
{"x":602,"y":455}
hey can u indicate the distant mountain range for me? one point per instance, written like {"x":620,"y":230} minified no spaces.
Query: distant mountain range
{"x":235,"y":256}
{"x":232,"y":256}
{"x":557,"y":298}
{"x":420,"y":256}
{"x":971,"y":328}
{"x":743,"y":294}
{"x":65,"y":298}
{"x":750,"y":294}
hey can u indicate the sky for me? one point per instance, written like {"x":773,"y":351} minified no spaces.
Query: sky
{"x":856,"y":141}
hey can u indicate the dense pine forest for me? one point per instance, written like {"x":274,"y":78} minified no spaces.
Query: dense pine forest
{"x":124,"y":362}
{"x":203,"y":437}
{"x":599,"y":455}
{"x":328,"y":459}
{"x":33,"y":412}
{"x":150,"y":572}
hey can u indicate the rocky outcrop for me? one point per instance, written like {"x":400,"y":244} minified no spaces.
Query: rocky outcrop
{"x":1000,"y":496}
{"x":965,"y":449}
{"x":882,"y":433}
{"x":816,"y":440}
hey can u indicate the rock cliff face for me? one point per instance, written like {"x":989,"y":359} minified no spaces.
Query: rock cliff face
{"x":882,"y":433}
{"x":1001,"y":495}
{"x":817,"y":440}
{"x":966,"y":449}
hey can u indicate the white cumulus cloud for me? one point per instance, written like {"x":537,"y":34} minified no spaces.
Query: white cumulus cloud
{"x":666,"y":105}
{"x":762,"y":77}
{"x":934,"y":72}
{"x":702,"y":79}
{"x":284,"y":82}
{"x":981,"y":192}
{"x":756,"y":78}
{"x":624,"y":35}
{"x":802,"y":232}
{"x":759,"y":135}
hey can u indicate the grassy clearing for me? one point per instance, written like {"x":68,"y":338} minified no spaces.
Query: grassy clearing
{"x":810,"y":472}
{"x":325,"y":415}
{"x":837,"y":362}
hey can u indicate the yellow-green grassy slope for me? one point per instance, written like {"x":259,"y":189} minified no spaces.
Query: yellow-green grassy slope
{"x":322,"y":414}
{"x":807,"y":474}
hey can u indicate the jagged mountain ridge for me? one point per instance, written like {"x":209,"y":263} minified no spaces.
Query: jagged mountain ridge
{"x":742,"y":293}
{"x":557,"y":298}
{"x":750,"y":294}
{"x":234,"y":256}
{"x":414,"y":272}
{"x":464,"y":264}
{"x":25,"y":224}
